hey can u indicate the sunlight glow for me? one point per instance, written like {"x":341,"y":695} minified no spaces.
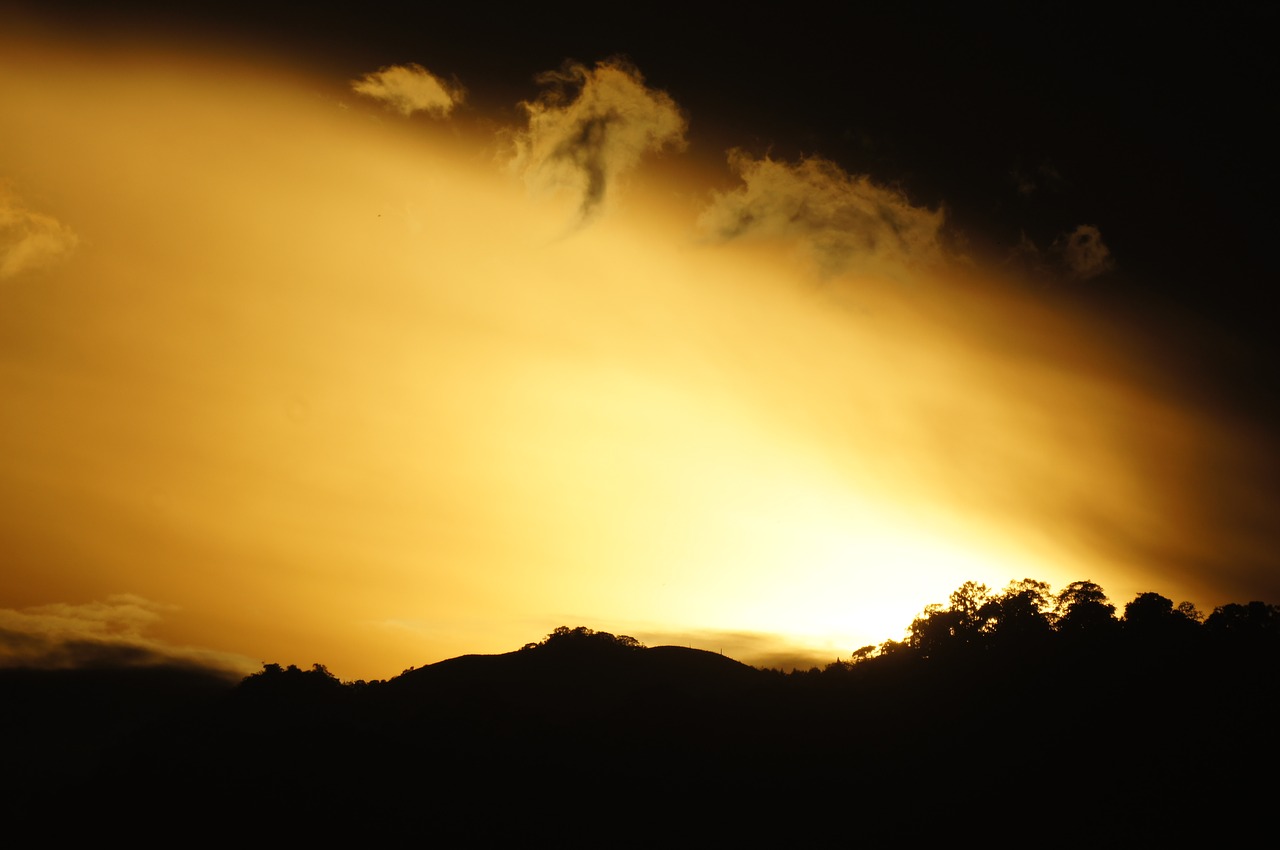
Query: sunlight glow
{"x":334,"y":385}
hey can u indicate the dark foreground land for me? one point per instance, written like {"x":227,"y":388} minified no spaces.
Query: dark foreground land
{"x":1032,"y":725}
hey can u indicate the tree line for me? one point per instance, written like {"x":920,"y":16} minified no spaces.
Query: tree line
{"x":1027,"y":619}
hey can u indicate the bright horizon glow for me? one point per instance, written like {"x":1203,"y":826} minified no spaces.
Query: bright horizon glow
{"x":334,"y":386}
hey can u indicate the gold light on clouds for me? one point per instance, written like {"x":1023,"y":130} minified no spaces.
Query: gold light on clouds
{"x":326,"y":384}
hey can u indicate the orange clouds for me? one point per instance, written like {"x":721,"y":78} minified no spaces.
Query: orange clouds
{"x":845,"y":221}
{"x":28,"y":239}
{"x":582,"y":143}
{"x":409,"y":89}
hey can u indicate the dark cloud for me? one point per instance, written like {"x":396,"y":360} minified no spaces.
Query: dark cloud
{"x":1083,"y":252}
{"x":1080,"y":254}
{"x":111,"y":633}
{"x":589,"y":127}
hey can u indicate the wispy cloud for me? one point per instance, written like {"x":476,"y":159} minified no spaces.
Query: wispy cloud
{"x":410,"y":88}
{"x":28,"y":239}
{"x":846,"y":221}
{"x":1083,"y":252}
{"x":1080,"y":254}
{"x":589,"y":127}
{"x":107,"y":633}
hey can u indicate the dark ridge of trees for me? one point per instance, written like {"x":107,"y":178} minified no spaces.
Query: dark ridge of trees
{"x":1017,"y":701}
{"x":276,"y":682}
{"x":1253,"y":624}
{"x":1026,"y":619}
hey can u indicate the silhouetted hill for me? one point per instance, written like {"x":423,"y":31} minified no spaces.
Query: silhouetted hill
{"x":580,"y":671}
{"x":1124,"y":722}
{"x":59,"y":725}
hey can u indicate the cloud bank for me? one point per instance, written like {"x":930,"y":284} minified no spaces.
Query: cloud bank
{"x":757,"y":649}
{"x":410,"y":88}
{"x":109,"y":633}
{"x":30,"y":240}
{"x":584,"y":143}
{"x":846,"y":221}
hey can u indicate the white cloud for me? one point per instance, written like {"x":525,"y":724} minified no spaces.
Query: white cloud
{"x":409,"y":89}
{"x":30,"y":240}
{"x":1083,"y":252}
{"x":107,"y":633}
{"x":585,"y":143}
{"x":845,"y":220}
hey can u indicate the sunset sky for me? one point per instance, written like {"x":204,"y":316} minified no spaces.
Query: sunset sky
{"x":377,"y":337}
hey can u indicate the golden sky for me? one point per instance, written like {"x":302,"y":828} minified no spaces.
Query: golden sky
{"x":298,"y":368}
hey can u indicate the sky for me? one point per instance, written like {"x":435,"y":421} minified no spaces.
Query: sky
{"x":374,"y":337}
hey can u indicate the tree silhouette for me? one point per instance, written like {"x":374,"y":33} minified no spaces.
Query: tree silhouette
{"x":1153,"y":617}
{"x":563,"y":635}
{"x":937,"y":633}
{"x":1256,"y":622}
{"x":1082,"y":611}
{"x":275,"y":682}
{"x":967,"y":601}
{"x":1019,"y":619}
